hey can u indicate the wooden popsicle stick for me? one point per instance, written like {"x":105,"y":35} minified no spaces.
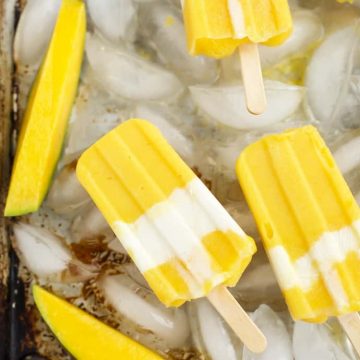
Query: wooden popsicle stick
{"x":237,"y":319}
{"x":351,"y":325}
{"x":252,"y":78}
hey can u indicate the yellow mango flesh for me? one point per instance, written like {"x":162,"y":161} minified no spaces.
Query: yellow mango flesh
{"x":85,"y":337}
{"x":49,"y":106}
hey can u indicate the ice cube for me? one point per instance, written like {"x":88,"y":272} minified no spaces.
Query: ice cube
{"x":140,"y":305}
{"x":226,"y":104}
{"x":91,"y":224}
{"x":307,"y":31}
{"x":47,"y":255}
{"x":314,"y":342}
{"x":94,"y":114}
{"x":34,"y":30}
{"x":162,"y":25}
{"x":115,"y":19}
{"x":329,"y":76}
{"x":347,"y":155}
{"x":160,"y":116}
{"x":279,"y":342}
{"x":211,"y":335}
{"x":66,"y":195}
{"x":128,"y":75}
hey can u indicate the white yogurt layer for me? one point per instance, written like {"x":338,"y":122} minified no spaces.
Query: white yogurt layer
{"x":330,"y":249}
{"x":237,"y":19}
{"x":174,"y":228}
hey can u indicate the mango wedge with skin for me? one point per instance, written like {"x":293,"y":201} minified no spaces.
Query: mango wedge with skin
{"x":85,"y":337}
{"x":46,"y":117}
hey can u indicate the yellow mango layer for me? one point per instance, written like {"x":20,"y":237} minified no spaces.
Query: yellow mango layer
{"x":123,"y":187}
{"x":85,"y":337}
{"x":230,"y":255}
{"x":127,"y":173}
{"x":297,"y":194}
{"x":210,"y":30}
{"x":49,"y":106}
{"x":316,"y":304}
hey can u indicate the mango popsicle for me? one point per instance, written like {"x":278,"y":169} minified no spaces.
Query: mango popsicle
{"x":216,"y":28}
{"x":180,"y":237}
{"x":309,"y":222}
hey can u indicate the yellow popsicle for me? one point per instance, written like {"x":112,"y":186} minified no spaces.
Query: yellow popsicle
{"x":216,"y":28}
{"x":308,"y":219}
{"x":85,"y":337}
{"x":45,"y":121}
{"x":178,"y":234}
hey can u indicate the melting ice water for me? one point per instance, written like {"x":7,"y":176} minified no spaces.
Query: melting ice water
{"x":137,"y":64}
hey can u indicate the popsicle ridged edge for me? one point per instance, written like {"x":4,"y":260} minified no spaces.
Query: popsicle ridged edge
{"x":171,"y":212}
{"x":237,"y":317}
{"x":351,"y":321}
{"x":344,"y":232}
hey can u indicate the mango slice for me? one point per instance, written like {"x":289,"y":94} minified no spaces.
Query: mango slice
{"x":49,"y":106}
{"x":85,"y":337}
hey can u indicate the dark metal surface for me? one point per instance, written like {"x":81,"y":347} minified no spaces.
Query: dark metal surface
{"x":7,"y":11}
{"x":19,"y":327}
{"x":23,"y":336}
{"x":14,"y":329}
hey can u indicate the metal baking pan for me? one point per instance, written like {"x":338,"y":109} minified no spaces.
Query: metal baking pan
{"x":23,"y":335}
{"x":17,"y":317}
